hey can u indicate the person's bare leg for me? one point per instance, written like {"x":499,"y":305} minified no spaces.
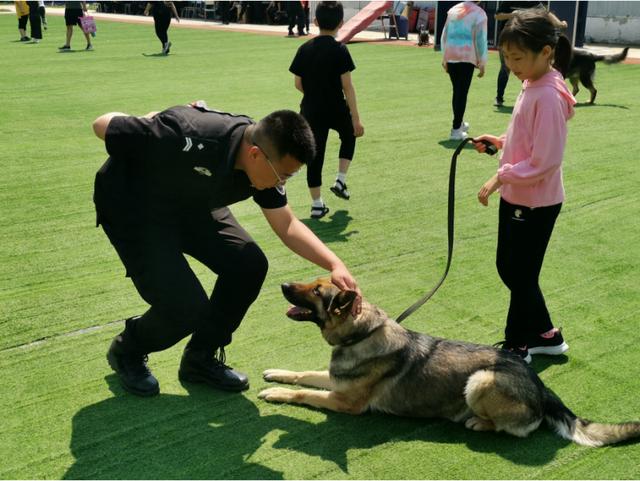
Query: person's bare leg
{"x":343,"y":166}
{"x":69,"y":35}
{"x":316,"y":192}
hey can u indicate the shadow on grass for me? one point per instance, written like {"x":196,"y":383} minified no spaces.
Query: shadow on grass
{"x":162,"y":55}
{"x":453,"y":145}
{"x":372,"y":430}
{"x":206,"y":435}
{"x":504,"y":109}
{"x":540,"y":363}
{"x":587,"y":104}
{"x":214,"y":435}
{"x":334,"y":230}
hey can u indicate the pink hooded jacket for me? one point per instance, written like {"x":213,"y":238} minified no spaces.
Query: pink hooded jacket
{"x":533,"y":146}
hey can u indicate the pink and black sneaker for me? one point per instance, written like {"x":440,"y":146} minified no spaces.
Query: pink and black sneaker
{"x":550,"y":343}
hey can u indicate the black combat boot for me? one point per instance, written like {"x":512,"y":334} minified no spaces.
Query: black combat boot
{"x":131,"y":367}
{"x":208,"y":366}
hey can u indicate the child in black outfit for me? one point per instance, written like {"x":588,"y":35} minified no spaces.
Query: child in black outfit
{"x":322,"y":69}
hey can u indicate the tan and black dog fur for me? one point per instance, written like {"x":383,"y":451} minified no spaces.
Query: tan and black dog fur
{"x":378,"y":365}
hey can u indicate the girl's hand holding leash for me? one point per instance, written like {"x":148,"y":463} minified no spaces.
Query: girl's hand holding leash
{"x":481,"y":147}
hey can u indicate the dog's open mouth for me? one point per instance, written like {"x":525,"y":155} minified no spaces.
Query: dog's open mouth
{"x":298,"y":313}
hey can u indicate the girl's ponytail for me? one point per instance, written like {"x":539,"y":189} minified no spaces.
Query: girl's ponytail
{"x":562,"y":55}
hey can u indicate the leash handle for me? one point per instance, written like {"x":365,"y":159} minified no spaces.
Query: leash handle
{"x":491,"y":150}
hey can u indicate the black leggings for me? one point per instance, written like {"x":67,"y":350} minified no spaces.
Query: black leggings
{"x":460,"y":74}
{"x":523,"y":236}
{"x":162,"y":22}
{"x":503,"y":78}
{"x":153,"y":254}
{"x":22,"y":22}
{"x":320,"y":125}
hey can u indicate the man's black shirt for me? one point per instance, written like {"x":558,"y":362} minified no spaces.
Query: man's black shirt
{"x":181,"y":158}
{"x":320,"y":62}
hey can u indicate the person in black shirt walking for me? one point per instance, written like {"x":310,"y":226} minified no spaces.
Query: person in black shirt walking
{"x":322,"y":68}
{"x":72,"y":13}
{"x":162,"y":12}
{"x":163,"y":193}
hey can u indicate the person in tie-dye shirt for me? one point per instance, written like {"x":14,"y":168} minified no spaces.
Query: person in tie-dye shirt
{"x":464,"y":44}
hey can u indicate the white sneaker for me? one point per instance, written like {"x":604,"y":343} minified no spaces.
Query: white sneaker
{"x":464,"y":126}
{"x":457,"y":134}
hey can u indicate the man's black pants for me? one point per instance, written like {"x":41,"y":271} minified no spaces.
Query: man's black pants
{"x":35,"y":21}
{"x":153,"y":254}
{"x":460,"y":74}
{"x":523,"y":236}
{"x":295,"y":12}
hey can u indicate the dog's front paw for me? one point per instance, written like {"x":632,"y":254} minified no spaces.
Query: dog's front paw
{"x":277,"y":394}
{"x":478,"y":424}
{"x":280,"y":375}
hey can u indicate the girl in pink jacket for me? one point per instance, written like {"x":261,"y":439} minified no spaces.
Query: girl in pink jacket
{"x":530,"y":175}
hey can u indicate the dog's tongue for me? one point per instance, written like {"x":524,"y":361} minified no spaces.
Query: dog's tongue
{"x":296,"y":311}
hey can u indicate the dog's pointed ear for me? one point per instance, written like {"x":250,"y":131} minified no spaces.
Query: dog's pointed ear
{"x":342,"y":302}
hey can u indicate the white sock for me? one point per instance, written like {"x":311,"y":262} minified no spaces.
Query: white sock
{"x":342,"y":177}
{"x":317,"y":202}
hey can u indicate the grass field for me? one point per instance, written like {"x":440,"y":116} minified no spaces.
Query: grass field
{"x":63,"y":290}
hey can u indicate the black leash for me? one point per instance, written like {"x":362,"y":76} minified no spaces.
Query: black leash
{"x":491,"y":150}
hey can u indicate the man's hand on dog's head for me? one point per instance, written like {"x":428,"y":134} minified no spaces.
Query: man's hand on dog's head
{"x":342,"y":278}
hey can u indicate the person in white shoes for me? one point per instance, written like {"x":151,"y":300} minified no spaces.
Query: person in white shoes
{"x":464,"y":47}
{"x":322,"y":71}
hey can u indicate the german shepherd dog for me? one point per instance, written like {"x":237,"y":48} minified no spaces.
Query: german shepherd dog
{"x":583,"y":68}
{"x":378,"y":365}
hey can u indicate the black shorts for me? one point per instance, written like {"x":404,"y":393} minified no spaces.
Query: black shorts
{"x":71,"y":16}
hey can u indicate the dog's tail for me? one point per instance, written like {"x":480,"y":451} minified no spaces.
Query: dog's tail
{"x":583,"y":431}
{"x":613,"y":58}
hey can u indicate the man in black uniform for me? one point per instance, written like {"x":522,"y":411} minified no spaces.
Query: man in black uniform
{"x":163,"y":193}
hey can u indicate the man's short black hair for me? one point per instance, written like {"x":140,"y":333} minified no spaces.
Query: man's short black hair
{"x":288,"y":133}
{"x":329,"y":15}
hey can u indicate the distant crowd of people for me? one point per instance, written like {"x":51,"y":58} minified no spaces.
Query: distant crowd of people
{"x":256,"y":12}
{"x":34,"y":13}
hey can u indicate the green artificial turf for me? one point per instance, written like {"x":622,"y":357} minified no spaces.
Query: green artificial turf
{"x":61,"y":284}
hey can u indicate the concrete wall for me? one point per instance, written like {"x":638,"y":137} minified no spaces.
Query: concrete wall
{"x":613,"y":22}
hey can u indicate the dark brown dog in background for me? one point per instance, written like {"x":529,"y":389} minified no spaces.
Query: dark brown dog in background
{"x":423,"y":36}
{"x":378,"y":365}
{"x":583,"y":68}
